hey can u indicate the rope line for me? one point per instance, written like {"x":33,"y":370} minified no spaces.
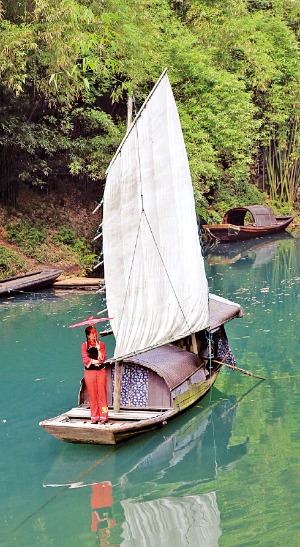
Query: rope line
{"x":171,"y":284}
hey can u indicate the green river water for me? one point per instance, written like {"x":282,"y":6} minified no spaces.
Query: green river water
{"x":227,"y":472}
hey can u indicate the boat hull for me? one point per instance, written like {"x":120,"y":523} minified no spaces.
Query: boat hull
{"x":231,"y":232}
{"x":28,"y":282}
{"x":72,"y":428}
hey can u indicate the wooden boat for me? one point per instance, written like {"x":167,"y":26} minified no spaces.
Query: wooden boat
{"x":29,"y":282}
{"x":262,"y":222}
{"x":174,"y":452}
{"x":164,"y":322}
{"x":176,"y":379}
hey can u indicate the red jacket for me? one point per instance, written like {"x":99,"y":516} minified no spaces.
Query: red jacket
{"x":85,"y":356}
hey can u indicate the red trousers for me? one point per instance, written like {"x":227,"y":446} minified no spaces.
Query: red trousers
{"x":96,"y":385}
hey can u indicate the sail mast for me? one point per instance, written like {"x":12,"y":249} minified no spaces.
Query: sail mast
{"x":129,"y":111}
{"x":136,"y":119}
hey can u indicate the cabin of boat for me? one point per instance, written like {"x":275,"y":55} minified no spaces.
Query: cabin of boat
{"x":247,"y":222}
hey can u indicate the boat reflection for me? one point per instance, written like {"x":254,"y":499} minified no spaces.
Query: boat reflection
{"x":254,"y":252}
{"x":158,"y":487}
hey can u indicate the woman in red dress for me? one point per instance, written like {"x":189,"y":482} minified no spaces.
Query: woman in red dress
{"x":93,"y":354}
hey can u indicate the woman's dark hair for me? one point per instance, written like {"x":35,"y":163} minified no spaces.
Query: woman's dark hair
{"x":89,"y":329}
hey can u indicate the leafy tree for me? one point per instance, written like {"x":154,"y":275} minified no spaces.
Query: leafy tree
{"x":67,"y":66}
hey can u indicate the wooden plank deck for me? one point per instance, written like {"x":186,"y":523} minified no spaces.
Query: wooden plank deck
{"x":84,"y":412}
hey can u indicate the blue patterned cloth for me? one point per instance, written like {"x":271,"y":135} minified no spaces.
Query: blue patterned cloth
{"x":134,"y":388}
{"x":222,"y":348}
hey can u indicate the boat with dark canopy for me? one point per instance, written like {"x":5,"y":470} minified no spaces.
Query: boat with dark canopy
{"x":247,"y":222}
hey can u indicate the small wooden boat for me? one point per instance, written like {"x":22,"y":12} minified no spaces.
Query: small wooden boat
{"x":160,"y":384}
{"x":40,"y":279}
{"x":246,"y":223}
{"x":163,"y":321}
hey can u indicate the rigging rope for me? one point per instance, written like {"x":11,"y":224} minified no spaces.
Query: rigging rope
{"x":143,"y":212}
{"x":171,"y":284}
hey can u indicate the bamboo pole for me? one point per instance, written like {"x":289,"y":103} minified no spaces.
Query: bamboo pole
{"x":248,"y":373}
{"x":117,"y":388}
{"x":129,"y":112}
{"x":243,"y":371}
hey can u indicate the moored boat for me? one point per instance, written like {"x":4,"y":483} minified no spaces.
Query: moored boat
{"x":169,"y":333}
{"x":234,"y":227}
{"x":37,"y":280}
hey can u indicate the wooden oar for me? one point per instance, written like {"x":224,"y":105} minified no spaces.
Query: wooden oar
{"x":248,"y":373}
{"x":243,"y":371}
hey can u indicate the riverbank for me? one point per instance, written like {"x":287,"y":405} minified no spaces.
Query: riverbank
{"x":79,"y":283}
{"x":66,"y":220}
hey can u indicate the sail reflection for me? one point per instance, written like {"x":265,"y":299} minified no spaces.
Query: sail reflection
{"x":158,"y":489}
{"x":188,"y":520}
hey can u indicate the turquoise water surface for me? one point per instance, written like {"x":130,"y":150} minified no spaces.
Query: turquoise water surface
{"x":226,"y":473}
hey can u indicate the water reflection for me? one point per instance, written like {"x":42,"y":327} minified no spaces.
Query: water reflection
{"x":158,"y":489}
{"x":253,"y":252}
{"x":101,"y":504}
{"x":188,"y":464}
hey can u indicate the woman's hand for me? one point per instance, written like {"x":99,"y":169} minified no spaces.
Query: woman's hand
{"x":98,"y":361}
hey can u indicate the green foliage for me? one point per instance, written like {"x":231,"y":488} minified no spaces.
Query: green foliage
{"x":35,"y":241}
{"x":66,"y":236}
{"x":28,"y":237}
{"x":79,"y":246}
{"x":87,"y":262}
{"x":67,"y":66}
{"x":10,"y":263}
{"x":262,"y":52}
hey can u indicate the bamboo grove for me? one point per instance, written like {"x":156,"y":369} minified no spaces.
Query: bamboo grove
{"x":68,"y":66}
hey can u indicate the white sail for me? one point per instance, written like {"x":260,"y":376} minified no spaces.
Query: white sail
{"x":156,"y":286}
